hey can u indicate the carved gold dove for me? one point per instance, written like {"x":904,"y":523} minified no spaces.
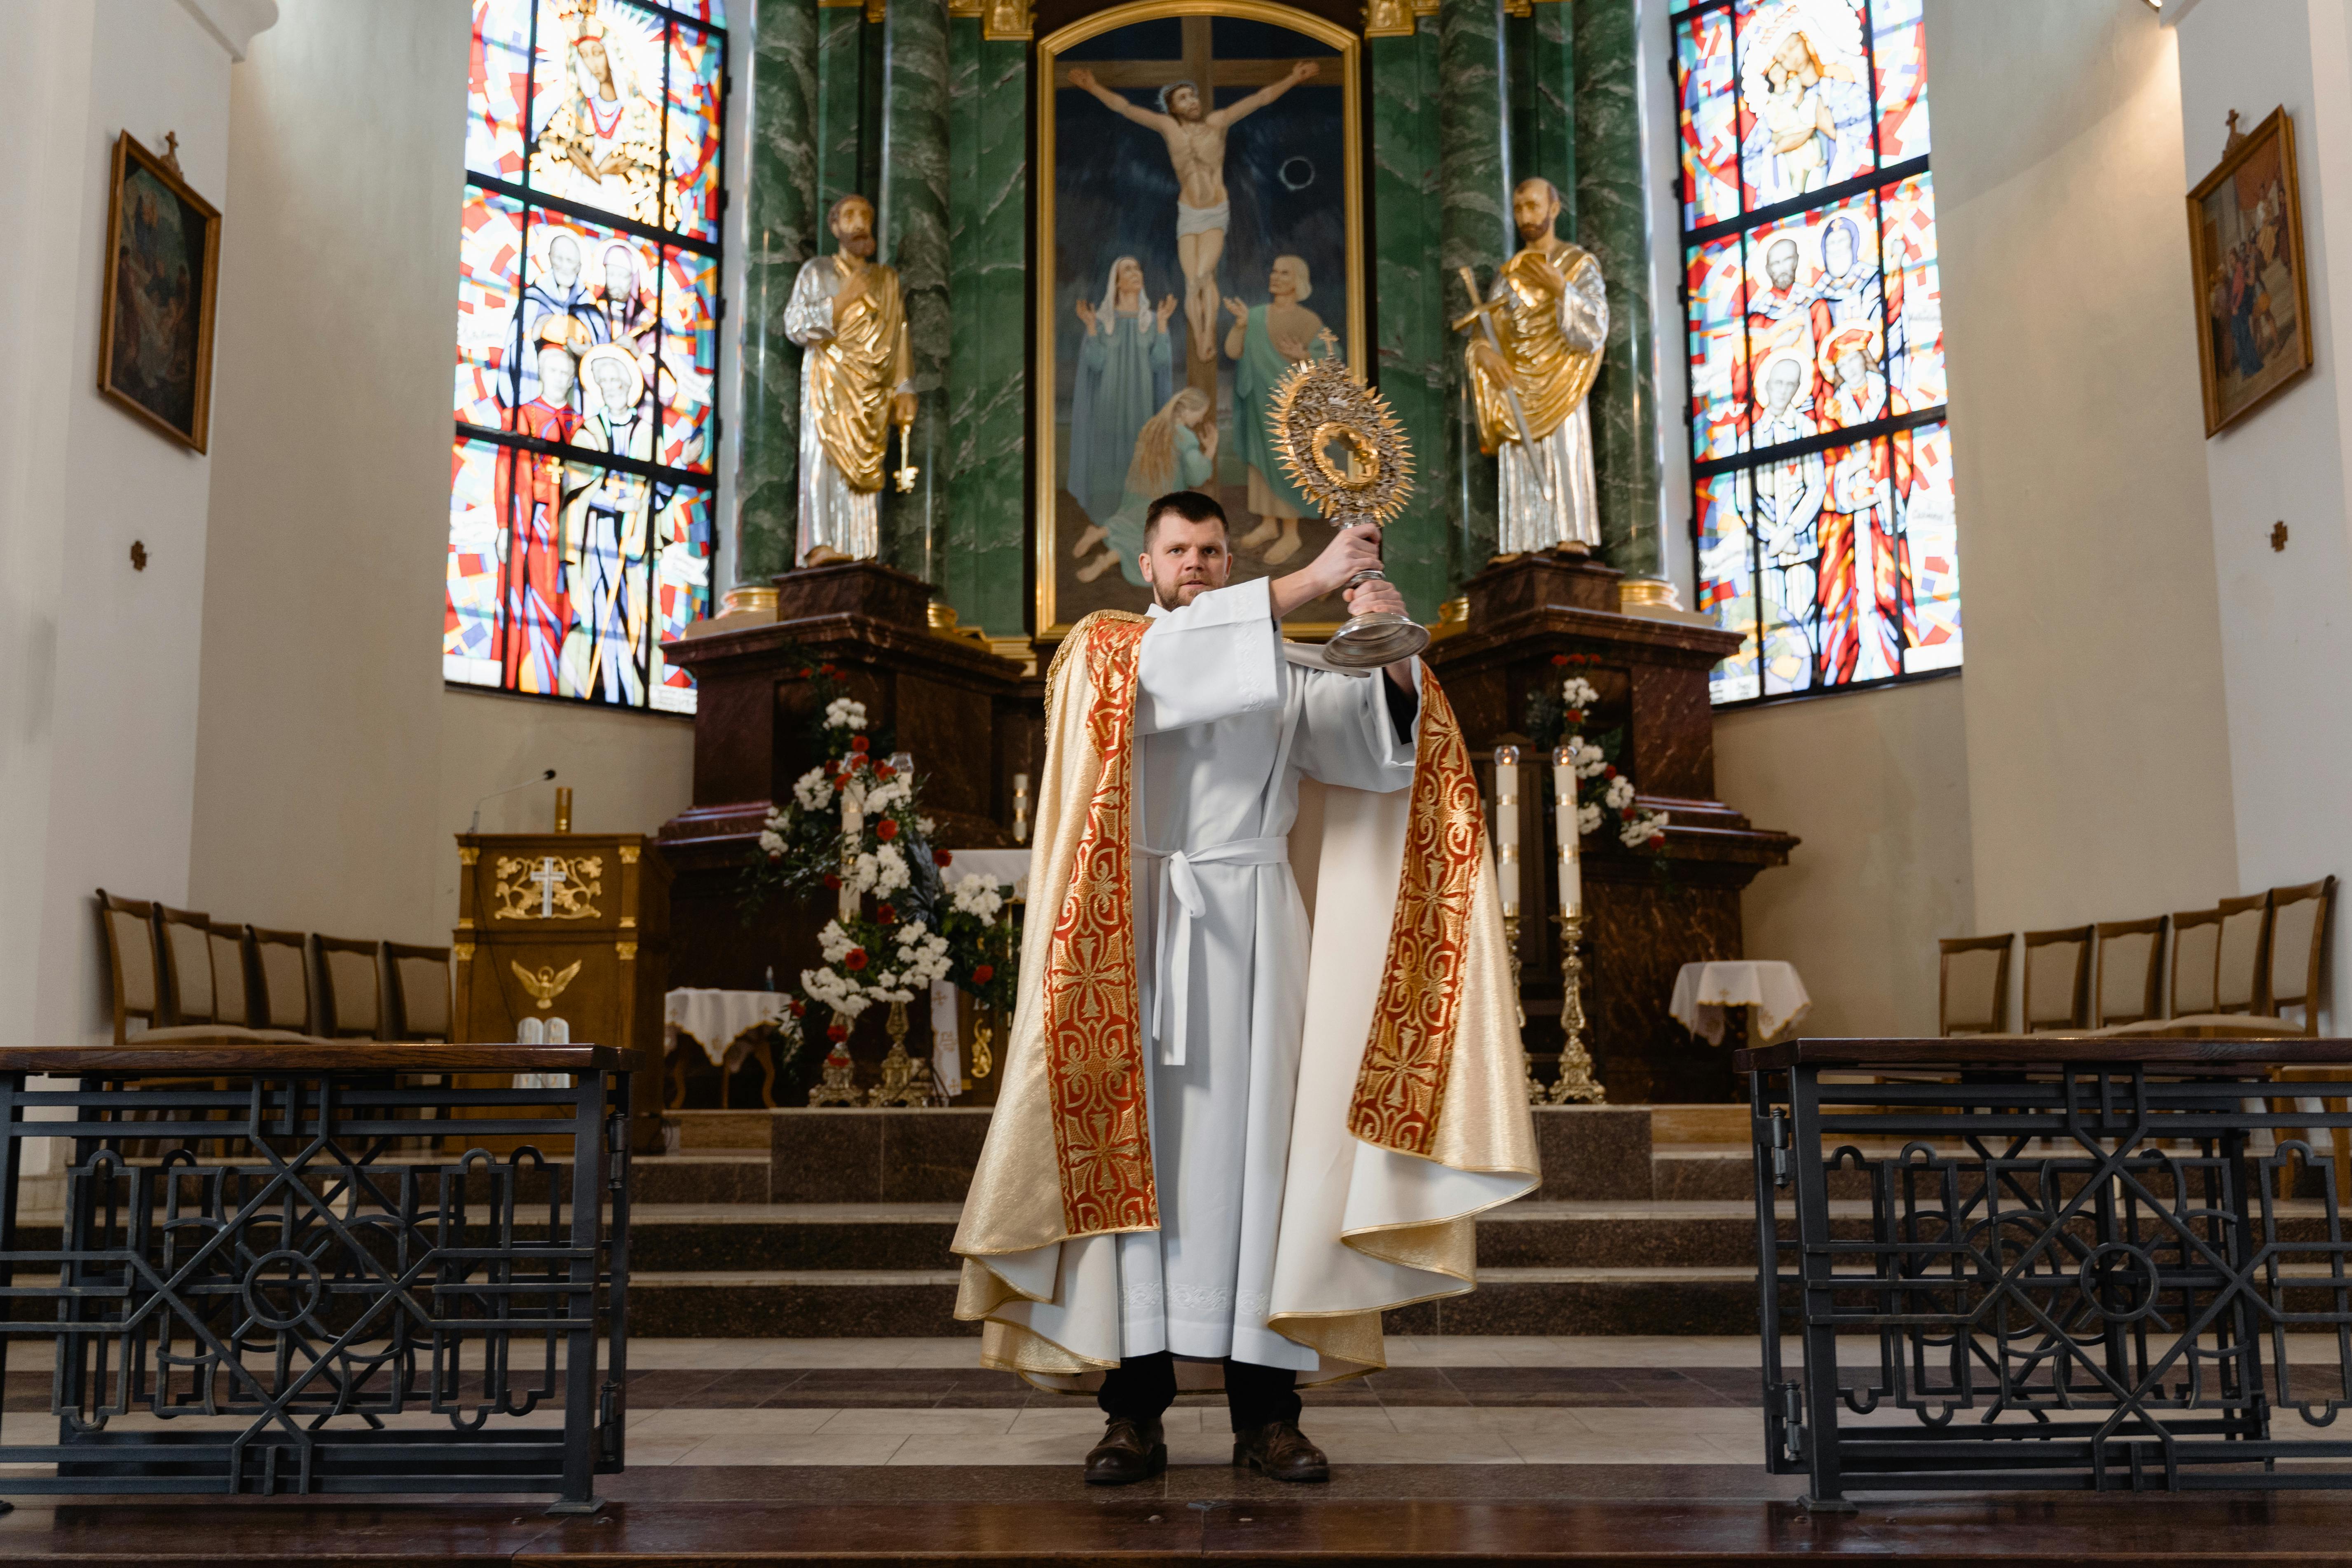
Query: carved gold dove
{"x":548,"y":982}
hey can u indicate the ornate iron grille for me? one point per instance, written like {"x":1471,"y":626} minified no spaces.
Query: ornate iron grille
{"x":2079,"y":1277}
{"x":285,"y":1303}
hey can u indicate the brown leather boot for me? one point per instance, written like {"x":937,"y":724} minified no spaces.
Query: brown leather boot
{"x":1129,"y":1451}
{"x":1281,"y":1450}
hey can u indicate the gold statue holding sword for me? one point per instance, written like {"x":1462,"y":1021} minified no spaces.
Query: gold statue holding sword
{"x":1542,"y":328}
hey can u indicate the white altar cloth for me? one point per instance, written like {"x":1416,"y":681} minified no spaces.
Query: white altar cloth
{"x":1702,"y":991}
{"x":719,"y":1021}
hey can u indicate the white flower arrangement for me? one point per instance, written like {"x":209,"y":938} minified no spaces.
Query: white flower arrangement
{"x":1619,"y":795}
{"x":974,"y":894}
{"x":813,"y":790}
{"x":1590,"y":761}
{"x":835,"y":942}
{"x":1588,"y":819}
{"x":1640,"y":828}
{"x":1578,"y":693}
{"x":828,"y":988}
{"x":882,"y":796}
{"x":771,"y":842}
{"x":881,"y":873}
{"x":845,"y":713}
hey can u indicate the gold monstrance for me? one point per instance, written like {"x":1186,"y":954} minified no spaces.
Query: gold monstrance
{"x":1346,"y":452}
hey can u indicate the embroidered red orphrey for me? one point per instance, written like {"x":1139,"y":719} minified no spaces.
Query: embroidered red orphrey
{"x":1401,"y":1083}
{"x":1094,"y":1044}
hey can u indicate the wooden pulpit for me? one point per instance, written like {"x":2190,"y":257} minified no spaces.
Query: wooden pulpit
{"x":572,"y":926}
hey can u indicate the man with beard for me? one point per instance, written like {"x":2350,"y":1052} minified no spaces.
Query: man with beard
{"x":559,"y":292}
{"x":850,"y":319}
{"x":1196,"y":146}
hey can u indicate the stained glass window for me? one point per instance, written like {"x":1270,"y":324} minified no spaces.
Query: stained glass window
{"x":581,"y":473}
{"x":1821,"y":456}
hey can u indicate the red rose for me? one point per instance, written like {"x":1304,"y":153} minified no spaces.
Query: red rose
{"x":854,"y":960}
{"x":981,"y":973}
{"x":885,"y":914}
{"x":1558,"y":658}
{"x":942,"y":857}
{"x":884,"y":770}
{"x":1609,"y":769}
{"x":1576,"y":715}
{"x":886,"y":829}
{"x":1657,"y":839}
{"x":836,"y":1033}
{"x":833,"y":881}
{"x":799,"y":1008}
{"x":1627,"y":814}
{"x":831,"y":671}
{"x":808,"y":672}
{"x":857,"y":743}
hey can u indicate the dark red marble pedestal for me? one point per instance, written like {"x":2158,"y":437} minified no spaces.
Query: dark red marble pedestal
{"x":970,"y":718}
{"x":1646,"y":915}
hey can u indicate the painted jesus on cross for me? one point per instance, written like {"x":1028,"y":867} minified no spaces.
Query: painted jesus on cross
{"x":1195,"y":134}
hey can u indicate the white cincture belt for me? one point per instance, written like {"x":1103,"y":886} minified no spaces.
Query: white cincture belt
{"x":1180,"y":905}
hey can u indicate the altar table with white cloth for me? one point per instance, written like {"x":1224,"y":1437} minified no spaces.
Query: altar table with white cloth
{"x":1702,"y":992}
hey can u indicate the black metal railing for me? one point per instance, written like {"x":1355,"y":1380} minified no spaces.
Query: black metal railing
{"x":303,"y":1293}
{"x":2068,"y":1273}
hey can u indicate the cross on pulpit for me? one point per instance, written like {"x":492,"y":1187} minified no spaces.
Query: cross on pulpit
{"x":549,"y":876}
{"x":1207,"y":73}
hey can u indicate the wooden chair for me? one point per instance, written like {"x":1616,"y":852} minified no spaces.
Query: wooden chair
{"x":231,"y":965}
{"x":184,"y":945}
{"x":2129,"y":965}
{"x":134,"y":974}
{"x":2058,"y":979}
{"x":2298,"y":943}
{"x":420,"y":1002}
{"x":2196,"y":958}
{"x":2243,"y":954}
{"x":350,"y":989}
{"x":281,"y":973}
{"x":1972,"y":986}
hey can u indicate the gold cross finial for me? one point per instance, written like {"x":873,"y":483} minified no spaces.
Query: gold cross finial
{"x":172,"y":151}
{"x":2236,"y":135}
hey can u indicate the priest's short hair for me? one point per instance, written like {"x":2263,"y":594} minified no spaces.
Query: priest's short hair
{"x":1190,"y":505}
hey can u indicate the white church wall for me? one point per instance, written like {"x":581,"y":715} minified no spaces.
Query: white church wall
{"x":2099,"y":779}
{"x":319,"y":765}
{"x":2287,"y":637}
{"x":1876,"y":785}
{"x":100,"y":746}
{"x":335,"y":763}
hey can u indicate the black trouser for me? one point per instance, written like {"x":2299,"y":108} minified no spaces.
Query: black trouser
{"x":1144,"y":1386}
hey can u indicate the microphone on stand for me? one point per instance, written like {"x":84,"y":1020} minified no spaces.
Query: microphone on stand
{"x":476,"y":826}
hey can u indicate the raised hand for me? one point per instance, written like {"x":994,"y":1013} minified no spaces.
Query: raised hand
{"x":1167,"y":308}
{"x":1367,"y":598}
{"x":1081,"y":77}
{"x":1240,"y":311}
{"x":1302,"y":70}
{"x":1086,"y":314}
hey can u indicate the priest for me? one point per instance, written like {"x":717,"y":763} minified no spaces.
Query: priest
{"x":1265,"y":1067}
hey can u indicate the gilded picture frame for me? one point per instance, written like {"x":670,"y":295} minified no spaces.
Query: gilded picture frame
{"x":156,"y":301}
{"x":1296,"y":137}
{"x":2245,"y":249}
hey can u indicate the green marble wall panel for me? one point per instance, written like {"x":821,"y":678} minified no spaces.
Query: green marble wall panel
{"x":1519,"y":92}
{"x":1410,"y":330}
{"x":779,"y":82}
{"x":1612,"y":221}
{"x":840,"y":115}
{"x":914,"y":237}
{"x":1550,"y":148}
{"x":984,"y":556}
{"x":1474,"y":231}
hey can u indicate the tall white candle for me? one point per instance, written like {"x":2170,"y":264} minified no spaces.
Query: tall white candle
{"x":1020,"y":808}
{"x":1572,"y":871}
{"x":1506,"y":827}
{"x":853,"y":832}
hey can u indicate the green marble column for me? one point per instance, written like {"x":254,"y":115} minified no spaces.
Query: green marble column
{"x":1410,"y":334}
{"x":1551,"y":146}
{"x":780,"y":226}
{"x":914,"y":225}
{"x":982,"y":565}
{"x":1612,"y":221}
{"x":840,"y":117}
{"x":1474,"y":230}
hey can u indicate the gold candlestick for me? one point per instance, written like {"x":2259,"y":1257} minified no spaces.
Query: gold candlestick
{"x":1575,"y":1081}
{"x":1511,"y":945}
{"x":839,"y":1085}
{"x":899,"y":1086}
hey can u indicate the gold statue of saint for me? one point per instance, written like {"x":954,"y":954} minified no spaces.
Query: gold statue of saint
{"x":850,"y":319}
{"x":1532,"y":357}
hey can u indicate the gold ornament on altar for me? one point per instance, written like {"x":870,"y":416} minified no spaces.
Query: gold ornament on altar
{"x":550,"y":888}
{"x":1344,"y":450}
{"x":548,"y":983}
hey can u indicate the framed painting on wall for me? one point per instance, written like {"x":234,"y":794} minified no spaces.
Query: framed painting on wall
{"x":155,"y":308}
{"x":1199,"y":228}
{"x":2245,"y":243}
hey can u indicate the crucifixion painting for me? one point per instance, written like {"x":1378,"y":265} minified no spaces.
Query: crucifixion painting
{"x":1199,"y":174}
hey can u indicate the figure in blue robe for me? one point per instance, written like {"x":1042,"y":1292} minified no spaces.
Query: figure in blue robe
{"x":1123,"y":379}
